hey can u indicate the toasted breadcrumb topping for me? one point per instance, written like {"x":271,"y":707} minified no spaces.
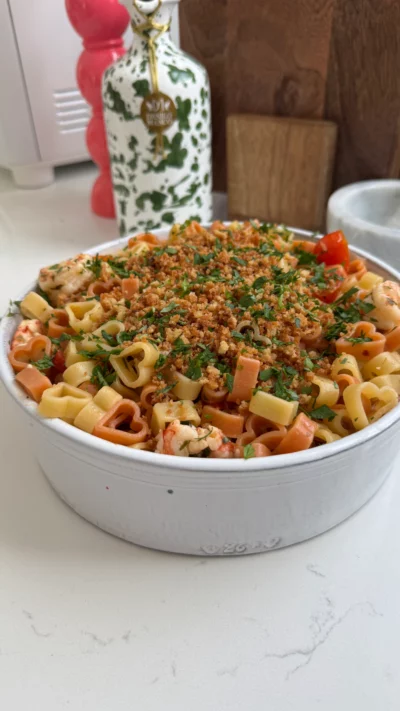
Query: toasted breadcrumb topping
{"x":207,"y":296}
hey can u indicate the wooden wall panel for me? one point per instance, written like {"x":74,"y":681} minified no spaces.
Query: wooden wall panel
{"x":333,"y":59}
{"x":277,"y":56}
{"x":203,"y":35}
{"x":363,"y":89}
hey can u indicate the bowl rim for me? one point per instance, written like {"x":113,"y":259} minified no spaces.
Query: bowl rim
{"x":338,"y":206}
{"x":186,"y":464}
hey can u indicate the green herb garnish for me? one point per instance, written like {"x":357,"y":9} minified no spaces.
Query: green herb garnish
{"x":248,"y":451}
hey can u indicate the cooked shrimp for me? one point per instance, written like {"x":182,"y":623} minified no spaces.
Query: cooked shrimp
{"x":62,"y":280}
{"x":386,"y":298}
{"x":184,"y":440}
{"x":27,"y":329}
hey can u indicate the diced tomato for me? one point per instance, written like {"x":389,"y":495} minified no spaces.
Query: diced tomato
{"x":59,"y":361}
{"x":333,"y":249}
{"x":338,"y":273}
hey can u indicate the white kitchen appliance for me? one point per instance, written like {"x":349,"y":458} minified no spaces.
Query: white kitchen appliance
{"x":43,"y":116}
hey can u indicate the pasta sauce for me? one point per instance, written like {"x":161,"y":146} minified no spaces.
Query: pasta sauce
{"x":232,"y":341}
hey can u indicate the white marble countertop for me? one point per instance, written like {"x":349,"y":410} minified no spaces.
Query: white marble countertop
{"x":89,"y":622}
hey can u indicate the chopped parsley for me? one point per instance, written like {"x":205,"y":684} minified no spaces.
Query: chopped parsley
{"x":103,"y":375}
{"x":44,"y":363}
{"x":259,"y":283}
{"x":160,"y":362}
{"x":229,"y":381}
{"x":360,"y":339}
{"x":248,"y":451}
{"x":346,"y":313}
{"x":322,"y":413}
{"x":94,"y":265}
{"x":238,"y":260}
{"x":119,"y":268}
{"x":282,"y":390}
{"x":247,"y":300}
{"x":268,"y":373}
{"x":166,"y":389}
{"x":305,"y":259}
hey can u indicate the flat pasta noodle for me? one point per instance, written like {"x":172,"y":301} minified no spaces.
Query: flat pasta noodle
{"x":393,"y":339}
{"x":33,"y":382}
{"x":234,"y":341}
{"x":96,"y":339}
{"x":213,"y":396}
{"x":327,"y":391}
{"x":185,"y":388}
{"x":364,"y":342}
{"x":35,"y":306}
{"x":84,"y":315}
{"x":79,"y":373}
{"x":384,"y":363}
{"x":324,"y":434}
{"x":97,"y":288}
{"x":32,"y":352}
{"x":135,"y":365}
{"x":386,"y":299}
{"x":230,"y":424}
{"x":63,"y":401}
{"x":58,"y":324}
{"x":245,"y":378}
{"x":299,"y":436}
{"x":361,"y":415}
{"x":165,"y":412}
{"x":346,"y":364}
{"x":124,"y":411}
{"x":344,"y":380}
{"x":341,"y":424}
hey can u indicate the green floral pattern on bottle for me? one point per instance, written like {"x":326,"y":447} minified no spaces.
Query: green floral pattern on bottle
{"x":155,"y":191}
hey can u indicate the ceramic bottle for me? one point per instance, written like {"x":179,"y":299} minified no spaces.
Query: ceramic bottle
{"x":158,"y":119}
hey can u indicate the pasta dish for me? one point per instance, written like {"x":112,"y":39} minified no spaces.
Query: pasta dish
{"x":234,"y":341}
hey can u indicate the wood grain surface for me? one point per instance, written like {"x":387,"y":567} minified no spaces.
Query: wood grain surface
{"x":280,"y":169}
{"x":277,"y":56}
{"x":203,"y":35}
{"x":363,"y":88}
{"x":333,"y":59}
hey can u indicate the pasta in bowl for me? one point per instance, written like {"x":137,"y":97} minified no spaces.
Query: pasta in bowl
{"x":233,"y":348}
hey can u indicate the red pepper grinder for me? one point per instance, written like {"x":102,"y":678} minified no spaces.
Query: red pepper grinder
{"x":101,"y":24}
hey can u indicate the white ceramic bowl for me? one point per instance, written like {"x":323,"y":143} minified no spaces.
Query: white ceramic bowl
{"x":208,"y":506}
{"x":369,"y":215}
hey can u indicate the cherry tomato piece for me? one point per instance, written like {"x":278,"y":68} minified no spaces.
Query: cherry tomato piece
{"x":338,"y":273}
{"x":333,"y":249}
{"x":59,"y":361}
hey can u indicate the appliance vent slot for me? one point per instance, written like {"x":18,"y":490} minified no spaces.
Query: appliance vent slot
{"x":72,"y":113}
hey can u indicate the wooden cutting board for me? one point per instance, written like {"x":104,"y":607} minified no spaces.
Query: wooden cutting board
{"x":280,"y":169}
